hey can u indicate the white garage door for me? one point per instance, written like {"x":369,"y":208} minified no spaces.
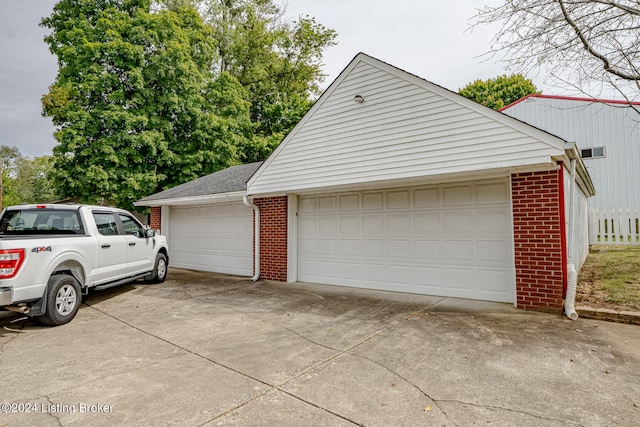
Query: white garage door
{"x":216,"y":238}
{"x":446,"y":240}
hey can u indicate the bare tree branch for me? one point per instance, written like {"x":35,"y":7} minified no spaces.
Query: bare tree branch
{"x":585,"y":41}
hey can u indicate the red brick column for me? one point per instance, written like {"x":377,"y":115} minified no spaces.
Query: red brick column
{"x":538,"y":239}
{"x":155,"y":218}
{"x":273,"y":238}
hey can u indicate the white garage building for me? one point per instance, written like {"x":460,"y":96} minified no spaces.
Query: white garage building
{"x":391,"y":182}
{"x":207,"y":225}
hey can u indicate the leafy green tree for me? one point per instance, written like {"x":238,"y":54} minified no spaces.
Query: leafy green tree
{"x":278,"y":62}
{"x":131,"y":101}
{"x":499,"y":92}
{"x":25,"y":180}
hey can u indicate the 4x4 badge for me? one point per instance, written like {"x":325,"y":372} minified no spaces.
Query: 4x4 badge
{"x":41,"y":249}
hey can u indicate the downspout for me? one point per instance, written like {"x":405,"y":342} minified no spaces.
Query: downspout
{"x":569,"y":302}
{"x":256,"y":228}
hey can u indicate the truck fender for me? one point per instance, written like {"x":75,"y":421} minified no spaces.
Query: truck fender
{"x":71,"y":262}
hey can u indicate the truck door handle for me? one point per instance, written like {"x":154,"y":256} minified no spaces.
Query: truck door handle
{"x":132,"y":243}
{"x":106,"y":245}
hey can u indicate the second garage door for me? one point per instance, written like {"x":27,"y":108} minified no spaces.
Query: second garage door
{"x":447,"y":240}
{"x":215,"y":238}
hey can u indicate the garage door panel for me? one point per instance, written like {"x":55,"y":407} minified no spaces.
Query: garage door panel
{"x":458,"y":250}
{"x":458,"y":278}
{"x":217,"y":238}
{"x":457,"y":196}
{"x":373,"y":224}
{"x":427,"y":198}
{"x":349,"y":203}
{"x":426,"y":251}
{"x":349,"y":225}
{"x":327,"y":204}
{"x":400,"y":249}
{"x":372,"y":201}
{"x":373,"y":273}
{"x":493,"y":251}
{"x":493,"y":221}
{"x":428,"y":278}
{"x":427,"y":223}
{"x":399,"y":223}
{"x":448,"y":240}
{"x":399,"y":199}
{"x":493,"y":193}
{"x":349,"y":247}
{"x":373,"y":248}
{"x":458,"y":223}
{"x":496,"y":281}
{"x":327,"y":247}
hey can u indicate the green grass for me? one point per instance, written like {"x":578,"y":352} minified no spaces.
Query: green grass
{"x":611,"y":277}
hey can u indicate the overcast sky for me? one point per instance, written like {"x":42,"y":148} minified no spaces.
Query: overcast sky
{"x":429,"y":38}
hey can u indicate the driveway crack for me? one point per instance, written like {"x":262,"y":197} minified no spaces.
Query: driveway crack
{"x":517,"y":411}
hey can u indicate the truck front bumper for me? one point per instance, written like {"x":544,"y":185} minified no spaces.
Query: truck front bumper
{"x":6,"y":297}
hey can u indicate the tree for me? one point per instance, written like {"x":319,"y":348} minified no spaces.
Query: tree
{"x":25,"y":180}
{"x":578,"y":41}
{"x":499,"y":92}
{"x":131,"y":101}
{"x":278,"y":62}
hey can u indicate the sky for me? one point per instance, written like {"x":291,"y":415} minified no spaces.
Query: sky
{"x":428,"y":38}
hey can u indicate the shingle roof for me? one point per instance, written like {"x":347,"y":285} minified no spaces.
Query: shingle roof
{"x":224,"y":181}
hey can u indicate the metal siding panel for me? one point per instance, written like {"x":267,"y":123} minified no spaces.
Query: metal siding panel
{"x":592,"y":124}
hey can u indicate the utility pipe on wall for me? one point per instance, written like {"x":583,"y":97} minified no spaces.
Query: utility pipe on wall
{"x":256,"y":255}
{"x":569,"y":302}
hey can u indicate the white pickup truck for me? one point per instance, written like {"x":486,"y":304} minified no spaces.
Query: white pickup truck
{"x":51,"y":255}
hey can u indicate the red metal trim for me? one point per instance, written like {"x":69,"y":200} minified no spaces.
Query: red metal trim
{"x":570,"y":98}
{"x":563,"y":230}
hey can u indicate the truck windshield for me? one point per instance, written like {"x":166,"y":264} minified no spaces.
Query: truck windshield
{"x":40,"y":221}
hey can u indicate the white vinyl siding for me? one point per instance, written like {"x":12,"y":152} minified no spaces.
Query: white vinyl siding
{"x":406,"y":128}
{"x":578,"y":225}
{"x":216,"y":238}
{"x":448,"y":240}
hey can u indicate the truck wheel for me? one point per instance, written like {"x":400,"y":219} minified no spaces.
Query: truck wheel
{"x":160,"y":269}
{"x":63,"y":300}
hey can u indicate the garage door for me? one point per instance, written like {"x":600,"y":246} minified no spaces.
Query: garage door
{"x":214,"y":238}
{"x":446,"y":240}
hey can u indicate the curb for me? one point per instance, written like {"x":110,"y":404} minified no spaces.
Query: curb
{"x":632,"y":317}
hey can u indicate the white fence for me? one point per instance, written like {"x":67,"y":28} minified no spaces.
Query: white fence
{"x":614,"y":227}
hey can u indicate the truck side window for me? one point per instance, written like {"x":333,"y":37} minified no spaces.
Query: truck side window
{"x":131,"y":226}
{"x":106,"y":223}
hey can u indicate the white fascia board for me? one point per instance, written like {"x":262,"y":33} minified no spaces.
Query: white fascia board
{"x":541,"y":164}
{"x":196,"y":200}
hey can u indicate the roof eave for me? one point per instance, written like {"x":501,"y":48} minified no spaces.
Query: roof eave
{"x":207,"y":199}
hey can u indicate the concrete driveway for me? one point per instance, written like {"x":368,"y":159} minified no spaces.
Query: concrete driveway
{"x":205,"y":349}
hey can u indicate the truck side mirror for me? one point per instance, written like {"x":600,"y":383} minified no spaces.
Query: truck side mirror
{"x":150,"y":232}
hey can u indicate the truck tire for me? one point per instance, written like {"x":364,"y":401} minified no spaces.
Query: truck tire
{"x":63,"y":300}
{"x":160,"y":269}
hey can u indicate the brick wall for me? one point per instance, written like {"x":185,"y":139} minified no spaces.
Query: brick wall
{"x":273,"y":238}
{"x":155,"y":218}
{"x":538,"y":239}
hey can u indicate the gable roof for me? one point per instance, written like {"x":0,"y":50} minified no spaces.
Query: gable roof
{"x":405,"y":129}
{"x":225,"y":185}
